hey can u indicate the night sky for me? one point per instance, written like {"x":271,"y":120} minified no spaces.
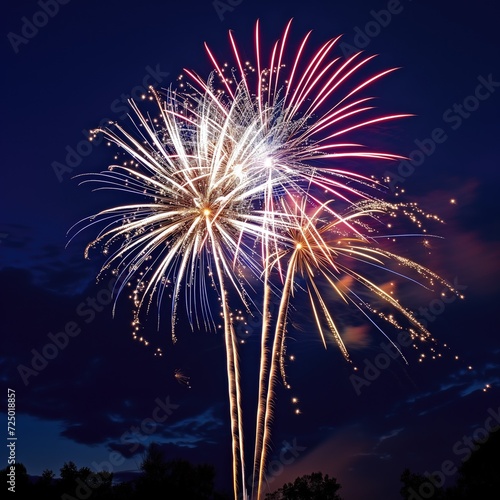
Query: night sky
{"x":87,"y":403}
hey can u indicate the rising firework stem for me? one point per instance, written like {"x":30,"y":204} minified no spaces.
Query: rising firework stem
{"x":252,"y":177}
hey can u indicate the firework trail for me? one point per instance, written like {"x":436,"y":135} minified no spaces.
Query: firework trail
{"x":299,"y":128}
{"x":304,"y":111}
{"x":243,"y":177}
{"x":324,"y":252}
{"x":189,"y":231}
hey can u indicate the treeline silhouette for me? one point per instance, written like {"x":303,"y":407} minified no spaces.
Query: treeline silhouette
{"x":478,"y":477}
{"x":159,"y":479}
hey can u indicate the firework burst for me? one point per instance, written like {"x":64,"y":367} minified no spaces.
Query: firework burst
{"x":243,"y":177}
{"x":181,"y":378}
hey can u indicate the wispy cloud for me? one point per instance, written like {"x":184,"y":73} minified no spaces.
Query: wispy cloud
{"x":193,"y":430}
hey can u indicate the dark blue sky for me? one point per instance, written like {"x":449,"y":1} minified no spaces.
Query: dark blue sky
{"x":62,"y":78}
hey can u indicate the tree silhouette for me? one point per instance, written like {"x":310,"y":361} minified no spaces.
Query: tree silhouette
{"x":47,"y":478}
{"x":124,"y":491}
{"x":45,"y":485}
{"x":154,"y":468}
{"x":176,"y":479}
{"x":418,"y":486}
{"x":83,"y":483}
{"x":478,"y":477}
{"x":68,"y":473}
{"x":160,"y":479}
{"x":309,"y":487}
{"x":22,"y":486}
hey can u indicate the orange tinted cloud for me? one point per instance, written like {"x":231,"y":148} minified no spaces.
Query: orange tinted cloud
{"x":356,"y":337}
